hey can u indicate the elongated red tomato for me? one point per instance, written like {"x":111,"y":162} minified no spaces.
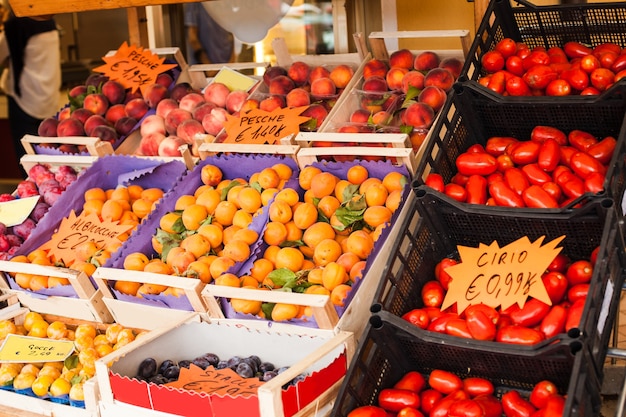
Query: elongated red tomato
{"x":490,"y":404}
{"x":594,"y":182}
{"x":542,"y":133}
{"x":442,"y":407}
{"x":583,"y":164}
{"x":603,"y":150}
{"x":439,"y":324}
{"x":435,"y":181}
{"x":476,"y":163}
{"x":418,"y":317}
{"x":504,"y":195}
{"x":392,"y":399}
{"x":444,"y":381}
{"x":577,"y":292}
{"x":517,"y":86}
{"x":556,"y":285}
{"x":432,"y":294}
{"x":476,"y":386}
{"x":458,"y":327}
{"x":535,"y":196}
{"x":412,"y":381}
{"x":553,"y":190}
{"x":531,"y":314}
{"x":440,"y":271}
{"x":479,"y":325}
{"x":535,"y":174}
{"x":554,"y":322}
{"x":516,"y":180}
{"x":514,"y":405}
{"x":490,"y":312}
{"x":574,"y":314}
{"x":576,"y":49}
{"x":571,"y":184}
{"x":549,"y":155}
{"x":465,"y":408}
{"x":455,"y":191}
{"x":429,"y":397}
{"x":368,"y":411}
{"x":519,"y":335}
{"x":476,"y":189}
{"x":496,"y":145}
{"x":410,"y":412}
{"x":526,"y":152}
{"x":541,"y":391}
{"x":581,"y":140}
{"x":579,"y":272}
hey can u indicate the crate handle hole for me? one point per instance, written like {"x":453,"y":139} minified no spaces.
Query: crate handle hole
{"x":376,"y":322}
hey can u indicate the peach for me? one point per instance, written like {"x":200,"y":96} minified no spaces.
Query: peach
{"x":417,"y":137}
{"x":125,"y":125}
{"x":426,"y":60}
{"x":154,"y":93}
{"x":323,"y":87}
{"x":149,"y":144}
{"x":272,"y":102}
{"x":360,"y":116}
{"x":402,"y":58}
{"x":68,"y":148}
{"x":249,"y":104}
{"x":316,"y":112}
{"x":299,"y":71}
{"x":130,"y":95}
{"x":394,"y":77}
{"x":371,"y":104}
{"x":174,"y":118}
{"x":272,"y":72}
{"x":137,"y":108}
{"x":48,"y":127}
{"x":235,"y":99}
{"x":298,"y":97}
{"x":70,"y":127}
{"x":114,"y":91}
{"x":97,"y":103}
{"x":375,"y":67}
{"x":115,"y":112}
{"x":341,"y":75}
{"x":452,"y":64}
{"x":153,"y":123}
{"x":96,"y":79}
{"x":318,"y":72}
{"x":419,"y":115}
{"x":434,"y":96}
{"x":216,"y":93}
{"x":382,"y":118}
{"x":439,"y":77}
{"x":171,"y":146}
{"x":188,"y":130}
{"x":92,"y":122}
{"x":180,"y":90}
{"x":190,"y":101}
{"x":281,"y":84}
{"x":81,"y":114}
{"x":213,"y":122}
{"x":412,"y":79}
{"x":105,"y":133}
{"x":201,"y":110}
{"x":165,"y":79}
{"x":165,"y":106}
{"x":77,"y":91}
{"x":64,"y":113}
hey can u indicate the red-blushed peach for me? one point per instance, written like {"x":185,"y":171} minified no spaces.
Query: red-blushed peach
{"x":272,"y":72}
{"x":360,"y":116}
{"x":318,"y":71}
{"x":426,"y":60}
{"x":371,"y":104}
{"x":174,"y":118}
{"x":375,"y":67}
{"x":131,"y":95}
{"x":316,"y":112}
{"x":165,"y":79}
{"x":299,"y":71}
{"x":434,"y":96}
{"x":105,"y":133}
{"x":171,"y":146}
{"x":249,"y":104}
{"x":297,"y":97}
{"x":281,"y":84}
{"x":96,"y":79}
{"x":114,"y":113}
{"x":382,"y":118}
{"x":125,"y":125}
{"x":419,"y":115}
{"x":149,"y":144}
{"x":394,"y":77}
{"x":417,"y":137}
{"x":77,"y":91}
{"x":65,"y":113}
{"x":402,"y":58}
{"x":235,"y":100}
{"x":70,"y":127}
{"x":97,"y":103}
{"x":48,"y":127}
{"x":216,"y":93}
{"x":452,"y":64}
{"x":153,"y":123}
{"x":213,"y":122}
{"x":137,"y":108}
{"x":323,"y":87}
{"x":412,"y":79}
{"x":188,"y":130}
{"x":92,"y":122}
{"x":341,"y":75}
{"x":180,"y":90}
{"x":155,"y":93}
{"x":68,"y":148}
{"x":272,"y":102}
{"x":201,"y":110}
{"x":82,"y":114}
{"x":439,"y":77}
{"x":165,"y":106}
{"x":190,"y":101}
{"x":114,"y":91}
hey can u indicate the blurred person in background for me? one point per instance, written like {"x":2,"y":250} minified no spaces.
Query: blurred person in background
{"x":208,"y":42}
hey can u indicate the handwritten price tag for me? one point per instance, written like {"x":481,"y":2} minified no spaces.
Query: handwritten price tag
{"x":75,"y":230}
{"x":216,"y":381}
{"x":500,"y":276}
{"x":260,"y":127}
{"x":133,"y":67}
{"x":17,"y":348}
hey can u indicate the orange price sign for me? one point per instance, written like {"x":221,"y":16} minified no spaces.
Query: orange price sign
{"x":262,"y":127}
{"x":134,"y":67}
{"x":498,"y":276}
{"x":216,"y":381}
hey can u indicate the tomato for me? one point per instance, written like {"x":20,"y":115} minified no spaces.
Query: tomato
{"x":541,"y":391}
{"x":465,"y":408}
{"x":607,"y":47}
{"x":576,"y":49}
{"x":574,"y":314}
{"x":516,"y":86}
{"x":581,"y":140}
{"x":619,"y":64}
{"x":603,"y":150}
{"x":607,"y":59}
{"x":490,"y":404}
{"x":445,"y":382}
{"x":535,"y":174}
{"x":514,"y":405}
{"x":496,"y":145}
{"x":429,"y":397}
{"x":455,"y":191}
{"x":536,"y":197}
{"x":504,"y":161}
{"x":559,"y":170}
{"x":602,"y":78}
{"x":572,"y":186}
{"x":590,"y":91}
{"x":553,"y":190}
{"x":549,"y":155}
{"x":504,"y":196}
{"x":526,"y":152}
{"x":577,"y":292}
{"x":392,"y":399}
{"x":522,"y":50}
{"x":554,"y":322}
{"x":442,"y":407}
{"x":459,"y":179}
{"x":589,"y":63}
{"x":531,"y":314}
{"x":536,"y":57}
{"x":492,"y":61}
{"x":485,"y":80}
{"x":418,"y":317}
{"x":435,"y":181}
{"x":490,"y":312}
{"x":458,"y":327}
{"x":594,"y":182}
{"x":594,"y":255}
{"x":497,"y":82}
{"x":576,"y":78}
{"x":476,"y":189}
{"x":516,"y":180}
{"x":583,"y":164}
{"x":542,"y":133}
{"x":495,"y":177}
{"x":579,"y":272}
{"x":367,"y":411}
{"x":559,"y":263}
{"x":409,"y":412}
{"x":440,"y":271}
{"x":556,"y":285}
{"x":480,"y":325}
{"x":412,"y":381}
{"x":432,"y":294}
{"x":539,"y":76}
{"x":555,"y":406}
{"x":476,"y":148}
{"x":558,"y":88}
{"x":476,"y":163}
{"x":519,"y":335}
{"x":506,"y":46}
{"x":515,"y":65}
{"x":476,"y":386}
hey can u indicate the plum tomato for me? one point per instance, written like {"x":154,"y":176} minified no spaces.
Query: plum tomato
{"x":507,"y":47}
{"x":531,"y":313}
{"x":435,"y":181}
{"x":519,"y":335}
{"x":418,"y":317}
{"x":556,"y":285}
{"x":558,"y":88}
{"x":445,"y":382}
{"x":576,"y":49}
{"x":440,"y":271}
{"x":536,"y":196}
{"x":554,"y":322}
{"x":412,"y":381}
{"x":368,"y":411}
{"x":433,"y":294}
{"x":492,"y":61}
{"x":514,"y":405}
{"x":465,"y":408}
{"x":394,"y":400}
{"x":541,"y":133}
{"x":579,"y":272}
{"x":476,"y":189}
{"x":476,"y":386}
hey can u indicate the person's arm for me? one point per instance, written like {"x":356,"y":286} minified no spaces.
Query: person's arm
{"x":195,"y":45}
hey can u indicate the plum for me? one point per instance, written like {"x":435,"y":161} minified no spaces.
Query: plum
{"x":24,"y":229}
{"x":41,"y":208}
{"x":147,"y":368}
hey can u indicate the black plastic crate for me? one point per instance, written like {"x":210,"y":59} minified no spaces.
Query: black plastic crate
{"x":390,"y":348}
{"x":472,"y":115}
{"x":546,"y":26}
{"x":427,"y":238}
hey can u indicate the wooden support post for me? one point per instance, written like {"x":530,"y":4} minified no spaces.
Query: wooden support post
{"x":137,"y":26}
{"x":479,"y":10}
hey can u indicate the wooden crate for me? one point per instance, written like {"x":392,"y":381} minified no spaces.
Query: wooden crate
{"x":55,"y":161}
{"x":207,"y":149}
{"x":87,"y":306}
{"x":95,"y":146}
